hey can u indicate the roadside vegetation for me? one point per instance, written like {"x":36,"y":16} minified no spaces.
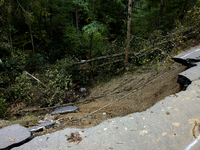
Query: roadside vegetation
{"x":48,"y":40}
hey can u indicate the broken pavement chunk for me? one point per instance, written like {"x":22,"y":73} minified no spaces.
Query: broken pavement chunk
{"x":46,"y":124}
{"x":14,"y":135}
{"x":64,"y":109}
{"x":188,"y":58}
{"x":186,"y":77}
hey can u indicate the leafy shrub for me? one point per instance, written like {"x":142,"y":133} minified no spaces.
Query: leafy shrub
{"x":2,"y":107}
{"x":35,"y":62}
{"x":4,"y":80}
{"x":11,"y":68}
{"x":57,"y":79}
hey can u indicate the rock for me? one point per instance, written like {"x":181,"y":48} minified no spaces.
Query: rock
{"x":49,"y":117}
{"x":46,"y":124}
{"x":64,"y":109}
{"x":14,"y":135}
{"x":82,"y":90}
{"x":57,"y":122}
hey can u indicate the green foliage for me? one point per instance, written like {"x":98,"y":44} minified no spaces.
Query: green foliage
{"x":9,"y":71}
{"x":66,"y":66}
{"x":150,"y":16}
{"x":193,"y":16}
{"x":145,"y":20}
{"x":16,"y":91}
{"x":35,"y":62}
{"x":95,"y":28}
{"x":4,"y":80}
{"x":81,"y":3}
{"x":58,"y":79}
{"x":3,"y":108}
{"x":1,"y":3}
{"x":13,"y":66}
{"x":4,"y":45}
{"x":95,"y":31}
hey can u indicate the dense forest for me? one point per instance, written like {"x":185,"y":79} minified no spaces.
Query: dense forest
{"x":50,"y":39}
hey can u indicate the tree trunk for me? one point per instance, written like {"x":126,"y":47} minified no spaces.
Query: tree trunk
{"x":161,"y":12}
{"x":29,"y":24}
{"x":51,"y":24}
{"x":10,"y":37}
{"x":90,"y":49}
{"x":91,"y":36}
{"x":91,"y":41}
{"x":10,"y":29}
{"x":128,"y":32}
{"x":32,"y":38}
{"x":76,"y":7}
{"x":93,"y":7}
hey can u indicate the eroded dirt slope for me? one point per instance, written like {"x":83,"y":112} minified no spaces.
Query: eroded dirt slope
{"x":118,"y":87}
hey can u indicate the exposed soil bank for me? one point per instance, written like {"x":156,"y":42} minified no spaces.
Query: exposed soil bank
{"x":117,"y":88}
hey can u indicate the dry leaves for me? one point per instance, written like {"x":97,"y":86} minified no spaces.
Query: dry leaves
{"x":75,"y":137}
{"x":11,"y":140}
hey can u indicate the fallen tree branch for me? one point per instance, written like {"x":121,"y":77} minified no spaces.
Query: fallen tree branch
{"x":163,"y":52}
{"x":104,"y":57}
{"x":99,"y":58}
{"x":35,"y":78}
{"x":136,"y":54}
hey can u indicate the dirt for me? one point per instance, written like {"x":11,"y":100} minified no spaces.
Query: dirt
{"x":153,"y":90}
